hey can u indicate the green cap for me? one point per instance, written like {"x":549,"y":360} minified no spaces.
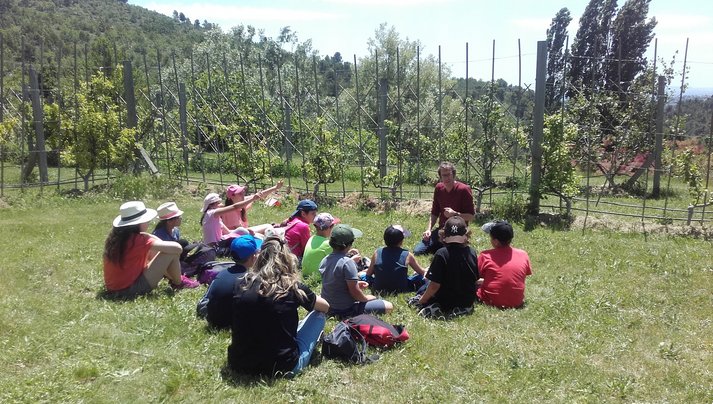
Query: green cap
{"x":344,"y":235}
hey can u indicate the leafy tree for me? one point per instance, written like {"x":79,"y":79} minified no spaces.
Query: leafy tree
{"x":323,"y":158}
{"x":559,"y":174}
{"x":631,"y":35}
{"x":590,"y":46}
{"x":556,"y":37}
{"x":95,"y":139}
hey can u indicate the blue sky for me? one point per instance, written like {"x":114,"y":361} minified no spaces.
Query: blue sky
{"x":346,"y":25}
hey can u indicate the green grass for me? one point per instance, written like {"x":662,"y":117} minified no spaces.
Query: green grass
{"x":609,"y":317}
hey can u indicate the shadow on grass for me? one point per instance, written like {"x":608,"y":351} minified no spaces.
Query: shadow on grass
{"x":236,"y":379}
{"x":103,"y":294}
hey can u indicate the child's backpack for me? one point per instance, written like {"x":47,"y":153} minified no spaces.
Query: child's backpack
{"x":208,"y":271}
{"x":345,"y":344}
{"x":377,"y":332}
{"x":194,"y":256}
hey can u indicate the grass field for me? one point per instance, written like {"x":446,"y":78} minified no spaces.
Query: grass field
{"x":609,"y":317}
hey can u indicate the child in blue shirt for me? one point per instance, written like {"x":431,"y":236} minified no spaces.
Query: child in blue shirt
{"x":388,"y":270}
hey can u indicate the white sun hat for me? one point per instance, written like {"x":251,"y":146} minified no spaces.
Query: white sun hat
{"x":133,"y":212}
{"x":168,"y":210}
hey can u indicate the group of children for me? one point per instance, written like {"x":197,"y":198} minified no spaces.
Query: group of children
{"x":257,"y":298}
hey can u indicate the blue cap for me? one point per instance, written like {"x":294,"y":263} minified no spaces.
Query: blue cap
{"x":306,"y":205}
{"x":244,"y":246}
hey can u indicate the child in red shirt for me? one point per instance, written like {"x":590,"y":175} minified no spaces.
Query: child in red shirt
{"x":503,"y":269}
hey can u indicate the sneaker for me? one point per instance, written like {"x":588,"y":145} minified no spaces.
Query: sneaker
{"x":413,"y":302}
{"x":432,"y":311}
{"x":186,"y":283}
{"x":460,"y":311}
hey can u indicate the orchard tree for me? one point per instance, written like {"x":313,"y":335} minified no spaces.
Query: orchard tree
{"x":95,"y":139}
{"x":323,"y":158}
{"x":559,"y":175}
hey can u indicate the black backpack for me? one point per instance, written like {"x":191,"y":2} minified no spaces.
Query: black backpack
{"x":346,"y":344}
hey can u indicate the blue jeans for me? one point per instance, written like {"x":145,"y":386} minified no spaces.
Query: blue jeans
{"x":308,"y":332}
{"x":428,"y":247}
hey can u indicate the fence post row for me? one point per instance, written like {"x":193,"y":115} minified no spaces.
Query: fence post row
{"x":285,"y":95}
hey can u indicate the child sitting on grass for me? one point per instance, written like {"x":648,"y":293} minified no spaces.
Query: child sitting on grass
{"x":503,"y":269}
{"x":341,"y":286}
{"x":216,"y":306}
{"x":388,"y":270}
{"x":453,"y":275}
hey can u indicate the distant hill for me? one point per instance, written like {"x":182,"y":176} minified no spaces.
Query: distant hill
{"x":698,"y":92}
{"x":110,"y":30}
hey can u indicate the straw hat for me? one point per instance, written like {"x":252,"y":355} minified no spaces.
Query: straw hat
{"x":168,"y":210}
{"x":133,"y":212}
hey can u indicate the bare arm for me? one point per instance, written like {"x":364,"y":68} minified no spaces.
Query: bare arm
{"x":431,"y":221}
{"x":321,"y":305}
{"x":356,"y":292}
{"x":413,"y":263}
{"x":370,"y":271}
{"x":237,"y":205}
{"x":169,"y":247}
{"x":267,"y":191}
{"x":430,"y":292}
{"x":448,"y":212}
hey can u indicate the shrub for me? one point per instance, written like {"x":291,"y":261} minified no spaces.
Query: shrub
{"x":513,"y":209}
{"x":137,"y":187}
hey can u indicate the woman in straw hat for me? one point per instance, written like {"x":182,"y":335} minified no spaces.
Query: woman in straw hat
{"x":169,"y":220}
{"x":136,"y":261}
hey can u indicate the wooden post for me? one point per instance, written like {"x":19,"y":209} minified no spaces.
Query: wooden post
{"x":381,"y":129}
{"x":38,"y":117}
{"x":183,"y":117}
{"x":658,"y":144}
{"x":538,"y":122}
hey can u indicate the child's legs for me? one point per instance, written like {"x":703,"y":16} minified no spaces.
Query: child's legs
{"x":378,"y":306}
{"x":415,"y":282}
{"x":308,"y":333}
{"x":163,"y":264}
{"x":260,"y":229}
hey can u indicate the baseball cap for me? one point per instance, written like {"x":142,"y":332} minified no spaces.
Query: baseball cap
{"x":244,"y":246}
{"x":500,"y":230}
{"x":455,"y":229}
{"x":343,"y":235}
{"x":234,"y":190}
{"x":324,"y":220}
{"x":306,"y":205}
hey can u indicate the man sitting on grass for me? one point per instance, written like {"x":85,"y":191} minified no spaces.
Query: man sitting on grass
{"x":217,"y":304}
{"x":503,"y":269}
{"x":452,"y":276}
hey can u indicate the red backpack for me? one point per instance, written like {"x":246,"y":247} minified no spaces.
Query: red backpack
{"x":377,"y":332}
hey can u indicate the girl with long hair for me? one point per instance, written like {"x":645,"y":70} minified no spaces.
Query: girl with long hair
{"x":267,"y":338}
{"x":136,"y":261}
